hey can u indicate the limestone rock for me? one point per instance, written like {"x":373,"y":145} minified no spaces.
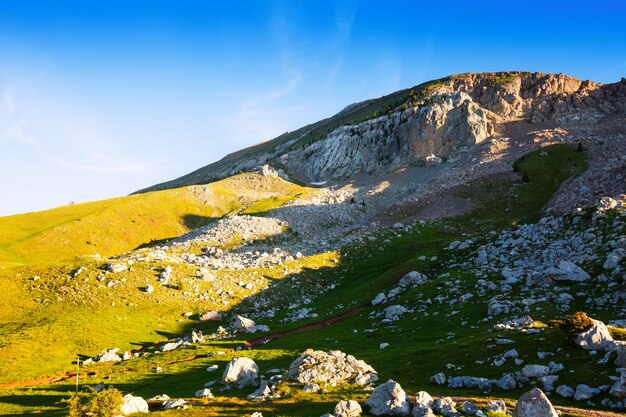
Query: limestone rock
{"x":204,"y":393}
{"x":596,"y":337}
{"x":424,"y":398}
{"x":565,"y":391}
{"x":132,"y":404}
{"x":333,"y":367}
{"x":497,"y":406}
{"x":243,"y":325}
{"x":445,"y":406}
{"x":420,"y":410}
{"x":241,"y":371}
{"x":347,"y":409}
{"x":585,"y":392}
{"x":534,"y":403}
{"x":389,"y":399}
{"x":178,"y":404}
{"x":210,"y":316}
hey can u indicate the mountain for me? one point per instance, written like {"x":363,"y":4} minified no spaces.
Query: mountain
{"x":462,"y":238}
{"x":441,"y":118}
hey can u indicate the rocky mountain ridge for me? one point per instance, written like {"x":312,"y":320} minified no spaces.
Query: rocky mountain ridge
{"x":436,"y":121}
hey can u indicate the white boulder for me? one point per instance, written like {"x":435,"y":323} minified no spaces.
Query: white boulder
{"x":389,"y":399}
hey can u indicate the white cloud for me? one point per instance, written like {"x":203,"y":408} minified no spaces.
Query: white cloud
{"x":13,"y":121}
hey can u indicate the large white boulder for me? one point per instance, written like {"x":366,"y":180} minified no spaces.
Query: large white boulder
{"x":243,"y":325}
{"x":132,"y":404}
{"x":389,"y":399}
{"x":534,"y":403}
{"x":595,"y":337}
{"x":241,"y":371}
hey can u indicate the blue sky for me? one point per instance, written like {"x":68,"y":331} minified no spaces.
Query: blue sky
{"x":101,"y":98}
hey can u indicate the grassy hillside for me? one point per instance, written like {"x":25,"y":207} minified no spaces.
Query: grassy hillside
{"x":113,"y":226}
{"x":421,"y":344}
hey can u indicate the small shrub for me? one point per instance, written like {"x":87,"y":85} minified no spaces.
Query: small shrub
{"x":579,"y":148}
{"x":525,"y":177}
{"x":577,"y":322}
{"x":496,"y":414}
{"x":105,"y":403}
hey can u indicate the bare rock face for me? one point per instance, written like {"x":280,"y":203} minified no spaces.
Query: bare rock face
{"x":332,"y":368}
{"x":389,"y":399}
{"x":452,"y":121}
{"x":449,"y":116}
{"x":534,"y":403}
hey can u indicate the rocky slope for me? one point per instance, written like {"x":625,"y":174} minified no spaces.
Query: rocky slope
{"x":433,"y":122}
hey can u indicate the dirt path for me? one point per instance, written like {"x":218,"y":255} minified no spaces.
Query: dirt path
{"x":251,"y":344}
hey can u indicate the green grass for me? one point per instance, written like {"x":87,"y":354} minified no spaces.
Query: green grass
{"x":113,"y":226}
{"x":419,"y":343}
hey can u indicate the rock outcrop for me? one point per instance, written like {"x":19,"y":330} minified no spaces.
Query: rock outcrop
{"x":333,"y":368}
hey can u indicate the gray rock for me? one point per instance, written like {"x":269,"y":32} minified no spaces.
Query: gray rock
{"x":497,"y":406}
{"x":178,"y":404}
{"x":439,"y":378}
{"x":548,"y":381}
{"x":204,"y":393}
{"x":264,"y":392}
{"x":612,"y":260}
{"x":379,"y":299}
{"x":568,"y":271}
{"x":619,"y":387}
{"x":469,"y":408}
{"x":394,"y":312}
{"x":424,"y":398}
{"x":109,"y":356}
{"x":420,"y":410}
{"x":535,"y":371}
{"x":596,"y":337}
{"x":534,"y":403}
{"x":211,"y":316}
{"x":132,"y":404}
{"x":115,"y":268}
{"x":241,"y":371}
{"x":507,"y":382}
{"x":333,"y":367}
{"x":243,"y":325}
{"x":389,"y":399}
{"x":565,"y":391}
{"x":347,"y":409}
{"x":445,"y":407}
{"x":311,"y":388}
{"x":585,"y":392}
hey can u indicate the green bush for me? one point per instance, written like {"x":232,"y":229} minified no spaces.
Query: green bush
{"x":526,"y":177}
{"x":105,"y":403}
{"x":577,"y":322}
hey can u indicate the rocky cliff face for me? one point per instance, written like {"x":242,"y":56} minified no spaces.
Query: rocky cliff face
{"x":439,"y":123}
{"x":452,"y":122}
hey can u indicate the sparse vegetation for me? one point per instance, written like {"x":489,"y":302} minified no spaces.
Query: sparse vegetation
{"x":577,"y":322}
{"x":105,"y":403}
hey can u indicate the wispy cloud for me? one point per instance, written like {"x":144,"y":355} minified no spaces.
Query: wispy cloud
{"x":13,"y":120}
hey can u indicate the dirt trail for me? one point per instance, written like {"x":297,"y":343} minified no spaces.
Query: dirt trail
{"x":251,"y":344}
